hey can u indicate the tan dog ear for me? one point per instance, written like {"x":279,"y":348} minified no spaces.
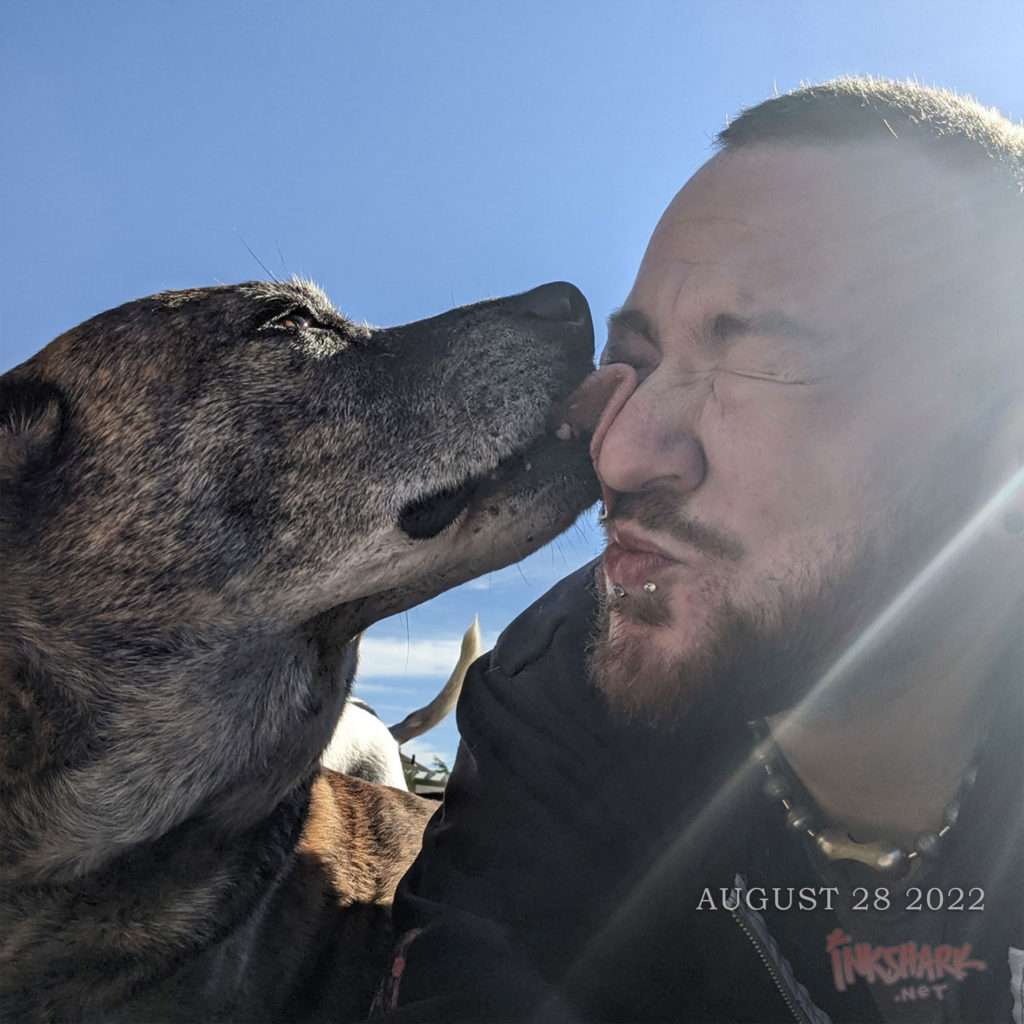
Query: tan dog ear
{"x":32,"y":417}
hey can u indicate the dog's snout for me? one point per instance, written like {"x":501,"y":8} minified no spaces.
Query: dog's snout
{"x":558,"y":302}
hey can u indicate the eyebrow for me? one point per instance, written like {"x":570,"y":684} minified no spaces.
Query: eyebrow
{"x":722,"y":330}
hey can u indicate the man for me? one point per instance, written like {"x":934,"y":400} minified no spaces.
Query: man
{"x":762,"y":761}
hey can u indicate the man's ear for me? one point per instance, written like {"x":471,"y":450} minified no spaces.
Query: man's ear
{"x":32,"y":417}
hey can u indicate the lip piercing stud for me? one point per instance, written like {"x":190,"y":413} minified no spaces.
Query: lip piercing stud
{"x":649,"y":587}
{"x":618,"y":590}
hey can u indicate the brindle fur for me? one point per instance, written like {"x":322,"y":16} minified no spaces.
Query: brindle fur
{"x":202,"y":499}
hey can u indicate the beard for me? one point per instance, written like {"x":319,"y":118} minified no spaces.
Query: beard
{"x":757,"y":661}
{"x":747,"y":666}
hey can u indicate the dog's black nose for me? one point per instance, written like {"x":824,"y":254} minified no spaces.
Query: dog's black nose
{"x":559,"y":302}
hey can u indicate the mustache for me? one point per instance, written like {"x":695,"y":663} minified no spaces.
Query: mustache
{"x":660,"y":513}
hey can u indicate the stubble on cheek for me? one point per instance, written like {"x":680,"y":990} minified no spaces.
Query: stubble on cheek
{"x":693,"y":657}
{"x":752,"y":642}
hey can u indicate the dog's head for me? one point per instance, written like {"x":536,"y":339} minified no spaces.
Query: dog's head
{"x":246,"y":452}
{"x":207,"y":494}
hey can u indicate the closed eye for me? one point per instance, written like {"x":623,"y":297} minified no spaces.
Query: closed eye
{"x":769,"y":378}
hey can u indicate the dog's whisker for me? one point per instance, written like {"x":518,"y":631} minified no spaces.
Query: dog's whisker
{"x":266,"y":270}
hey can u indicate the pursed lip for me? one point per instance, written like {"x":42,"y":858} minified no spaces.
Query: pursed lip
{"x":632,"y":558}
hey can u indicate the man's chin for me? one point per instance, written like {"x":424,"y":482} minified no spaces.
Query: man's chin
{"x":691,"y":665}
{"x":640,"y":663}
{"x":636,"y":684}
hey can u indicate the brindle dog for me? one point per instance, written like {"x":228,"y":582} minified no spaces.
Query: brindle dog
{"x":208,"y":494}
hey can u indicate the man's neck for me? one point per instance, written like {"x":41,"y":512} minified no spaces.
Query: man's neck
{"x":886,"y":770}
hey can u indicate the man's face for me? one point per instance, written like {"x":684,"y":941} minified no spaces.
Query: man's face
{"x":786,"y":456}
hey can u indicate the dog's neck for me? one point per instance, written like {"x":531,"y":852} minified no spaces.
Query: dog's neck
{"x":161,"y":903}
{"x":168,"y":807}
{"x":228,"y":735}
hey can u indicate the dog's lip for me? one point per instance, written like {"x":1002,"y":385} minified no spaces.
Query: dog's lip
{"x":575,"y":418}
{"x":543,"y":456}
{"x":427,"y":516}
{"x":432,"y":514}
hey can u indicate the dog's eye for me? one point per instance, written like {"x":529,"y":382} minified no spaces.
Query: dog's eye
{"x":296,"y":320}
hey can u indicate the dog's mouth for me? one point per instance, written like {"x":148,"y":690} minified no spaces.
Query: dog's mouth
{"x":571,"y":423}
{"x":426,"y":517}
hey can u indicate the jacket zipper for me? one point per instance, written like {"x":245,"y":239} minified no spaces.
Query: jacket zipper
{"x":798,"y":1014}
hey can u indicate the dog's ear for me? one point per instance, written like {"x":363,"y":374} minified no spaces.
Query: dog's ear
{"x":32,"y":415}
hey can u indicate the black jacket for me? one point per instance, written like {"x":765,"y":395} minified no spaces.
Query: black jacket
{"x":576,"y":872}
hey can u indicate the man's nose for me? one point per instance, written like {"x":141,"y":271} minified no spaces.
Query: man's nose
{"x":650,"y":444}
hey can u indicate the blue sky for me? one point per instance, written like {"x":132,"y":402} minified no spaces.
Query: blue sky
{"x":408,"y":157}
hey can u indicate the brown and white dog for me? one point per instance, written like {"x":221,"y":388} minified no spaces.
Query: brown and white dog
{"x":207,"y":496}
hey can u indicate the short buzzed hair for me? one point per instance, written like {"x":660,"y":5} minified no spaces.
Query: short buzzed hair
{"x":953,"y":129}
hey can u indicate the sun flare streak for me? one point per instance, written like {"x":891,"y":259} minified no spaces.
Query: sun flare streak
{"x":890,"y":616}
{"x":630,"y":913}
